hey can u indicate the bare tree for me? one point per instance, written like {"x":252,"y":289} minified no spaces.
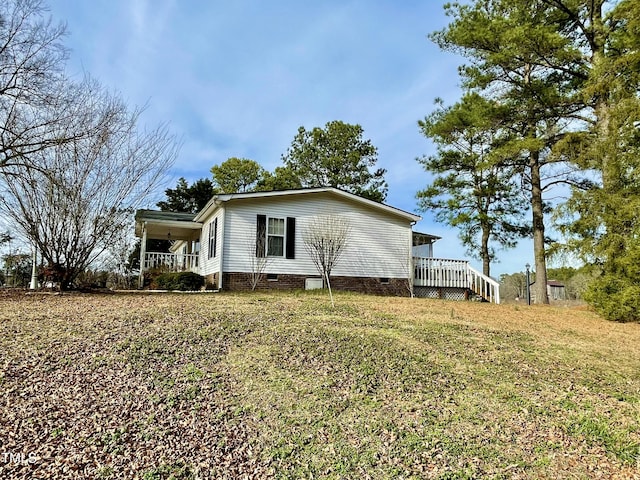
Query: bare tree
{"x":513,"y":286}
{"x":84,"y":191}
{"x":258,"y":260}
{"x":116,"y":259}
{"x":37,"y":111}
{"x":5,"y":238}
{"x":325,"y":238}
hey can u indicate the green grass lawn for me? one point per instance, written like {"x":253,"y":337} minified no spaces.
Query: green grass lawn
{"x":284,"y":386}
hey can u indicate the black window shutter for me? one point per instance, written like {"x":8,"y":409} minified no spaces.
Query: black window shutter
{"x":215,"y":237}
{"x":210,"y":242}
{"x":291,"y":238}
{"x":261,"y":235}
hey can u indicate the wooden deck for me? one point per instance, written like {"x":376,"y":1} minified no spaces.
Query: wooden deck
{"x":454,"y":274}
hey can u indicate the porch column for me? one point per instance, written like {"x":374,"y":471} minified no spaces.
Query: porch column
{"x":143,"y":254}
{"x":189,"y":265}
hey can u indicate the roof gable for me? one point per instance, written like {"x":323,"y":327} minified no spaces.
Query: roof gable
{"x":223,"y":198}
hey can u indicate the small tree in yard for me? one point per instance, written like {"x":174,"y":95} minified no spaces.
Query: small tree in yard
{"x":258,"y":259}
{"x":325,"y":238}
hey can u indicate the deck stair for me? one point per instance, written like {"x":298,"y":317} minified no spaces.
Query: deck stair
{"x":452,"y":279}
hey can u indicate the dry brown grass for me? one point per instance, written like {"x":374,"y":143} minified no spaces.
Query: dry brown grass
{"x":574,"y":327}
{"x":281,"y":385}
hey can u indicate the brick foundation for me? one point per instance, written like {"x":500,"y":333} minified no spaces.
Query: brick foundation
{"x":211,"y":279}
{"x":234,"y":281}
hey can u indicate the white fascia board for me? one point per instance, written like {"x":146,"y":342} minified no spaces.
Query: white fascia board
{"x":176,"y":224}
{"x":284,"y":193}
{"x":208,"y":209}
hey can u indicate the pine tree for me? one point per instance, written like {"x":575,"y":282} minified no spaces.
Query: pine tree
{"x":522,"y":55}
{"x":472,"y":190}
{"x":337,"y":156}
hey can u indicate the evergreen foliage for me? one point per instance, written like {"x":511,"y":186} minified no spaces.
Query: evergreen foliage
{"x":187,"y":198}
{"x":337,"y":156}
{"x":568,"y":72}
{"x":237,"y":175}
{"x":472,"y":190}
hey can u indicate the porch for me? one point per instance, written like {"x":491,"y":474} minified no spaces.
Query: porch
{"x":171,"y":227}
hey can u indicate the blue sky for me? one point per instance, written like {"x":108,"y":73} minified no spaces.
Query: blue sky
{"x":237,"y":79}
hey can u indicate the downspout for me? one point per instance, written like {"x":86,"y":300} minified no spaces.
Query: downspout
{"x":411,"y":272}
{"x":221,"y":231}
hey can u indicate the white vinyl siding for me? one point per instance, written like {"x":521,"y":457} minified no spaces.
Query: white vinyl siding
{"x":378,"y":245}
{"x":211,"y":240}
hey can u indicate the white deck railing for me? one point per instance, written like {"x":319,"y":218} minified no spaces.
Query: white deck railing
{"x":446,"y":273}
{"x":173,"y":262}
{"x":484,"y":286}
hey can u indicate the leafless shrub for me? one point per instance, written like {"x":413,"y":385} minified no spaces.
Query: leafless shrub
{"x":257,"y":263}
{"x":325,"y":238}
{"x":405,"y":257}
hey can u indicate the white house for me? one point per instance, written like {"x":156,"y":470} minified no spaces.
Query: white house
{"x":236,"y":236}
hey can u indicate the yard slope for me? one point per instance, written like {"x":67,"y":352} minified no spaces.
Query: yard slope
{"x":283,"y":386}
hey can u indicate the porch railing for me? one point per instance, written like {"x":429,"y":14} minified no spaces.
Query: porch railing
{"x":446,"y":273}
{"x":172,"y":262}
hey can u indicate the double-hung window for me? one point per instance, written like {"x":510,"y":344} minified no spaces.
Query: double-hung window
{"x":275,"y":237}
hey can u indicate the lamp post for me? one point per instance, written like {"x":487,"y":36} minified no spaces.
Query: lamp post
{"x":528,"y":285}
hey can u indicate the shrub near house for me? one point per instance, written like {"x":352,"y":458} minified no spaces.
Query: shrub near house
{"x":183,"y":281}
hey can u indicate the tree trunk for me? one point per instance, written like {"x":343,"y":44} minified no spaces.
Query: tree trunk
{"x":539,"y":290}
{"x":484,"y":250}
{"x":333,"y":305}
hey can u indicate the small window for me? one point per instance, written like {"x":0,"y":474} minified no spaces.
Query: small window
{"x":272,"y":277}
{"x":384,"y":280}
{"x":275,"y":237}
